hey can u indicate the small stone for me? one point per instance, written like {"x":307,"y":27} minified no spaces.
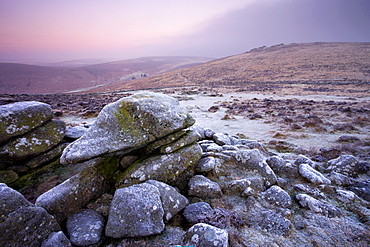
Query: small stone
{"x":278,"y":196}
{"x":312,"y":175}
{"x":202,"y":187}
{"x":318,"y":206}
{"x":85,"y":227}
{"x":194,"y":212}
{"x":221,"y":139}
{"x":75,"y":132}
{"x":345,"y":164}
{"x":202,"y":234}
{"x":206,"y":164}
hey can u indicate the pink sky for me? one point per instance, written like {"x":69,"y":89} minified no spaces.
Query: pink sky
{"x":58,"y":30}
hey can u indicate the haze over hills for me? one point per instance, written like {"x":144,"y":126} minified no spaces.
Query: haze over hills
{"x":342,"y":63}
{"x":33,"y":79}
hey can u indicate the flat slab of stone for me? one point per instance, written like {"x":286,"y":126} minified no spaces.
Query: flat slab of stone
{"x":128,"y":124}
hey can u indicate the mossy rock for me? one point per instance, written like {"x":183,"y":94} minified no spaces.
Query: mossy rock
{"x":34,"y":142}
{"x":174,"y":169}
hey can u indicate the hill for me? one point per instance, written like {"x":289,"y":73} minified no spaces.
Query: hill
{"x":32,"y":79}
{"x":307,"y":63}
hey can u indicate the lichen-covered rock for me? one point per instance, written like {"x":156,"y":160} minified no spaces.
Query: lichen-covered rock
{"x":34,"y":142}
{"x":202,"y":234}
{"x":8,"y":176}
{"x":346,"y":164}
{"x":135,"y":211}
{"x":68,"y":197}
{"x":85,"y":227}
{"x":172,"y":201}
{"x":203,"y":187}
{"x":46,"y":157}
{"x":283,"y":168}
{"x":21,"y":117}
{"x":21,"y":222}
{"x":127,"y":124}
{"x":195,"y":212}
{"x":278,"y":196}
{"x":174,"y":169}
{"x":185,"y":140}
{"x":75,"y":132}
{"x":318,"y":206}
{"x":312,"y":175}
{"x":206,"y":164}
{"x":56,"y":239}
{"x":274,"y":223}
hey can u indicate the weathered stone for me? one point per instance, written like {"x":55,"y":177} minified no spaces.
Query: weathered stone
{"x":8,"y":176}
{"x":208,"y":133}
{"x":194,"y":212}
{"x":211,"y":147}
{"x":274,"y":223}
{"x":189,"y":138}
{"x":283,"y":168}
{"x":318,"y":206}
{"x":135,"y":211}
{"x":278,"y":196}
{"x":127,"y":124}
{"x":362,"y":189}
{"x":165,"y":140}
{"x":206,"y":235}
{"x":221,"y":139}
{"x":199,"y":130}
{"x":312,"y":175}
{"x":346,"y":164}
{"x":206,"y":164}
{"x":67,"y":198}
{"x":202,"y":187}
{"x":304,"y":160}
{"x":46,"y":157}
{"x":174,"y":169}
{"x":172,"y":201}
{"x":34,"y":142}
{"x":75,"y":132}
{"x":21,"y":117}
{"x":307,"y":189}
{"x":56,"y":239}
{"x":21,"y":223}
{"x":85,"y":227}
{"x":340,"y":179}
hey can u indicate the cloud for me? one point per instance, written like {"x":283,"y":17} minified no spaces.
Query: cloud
{"x":274,"y":22}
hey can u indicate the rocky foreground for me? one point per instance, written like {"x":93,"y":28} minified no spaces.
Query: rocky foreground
{"x":144,"y":175}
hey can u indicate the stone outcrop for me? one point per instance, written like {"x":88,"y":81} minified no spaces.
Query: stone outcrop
{"x":181,"y":186}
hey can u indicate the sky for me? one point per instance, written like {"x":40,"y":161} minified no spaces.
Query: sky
{"x":36,"y":31}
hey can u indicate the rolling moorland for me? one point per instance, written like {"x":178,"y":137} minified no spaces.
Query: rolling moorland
{"x":32,"y":79}
{"x":345,"y":66}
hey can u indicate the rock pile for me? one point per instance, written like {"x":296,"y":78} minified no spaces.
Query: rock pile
{"x":29,"y":137}
{"x":150,"y":178}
